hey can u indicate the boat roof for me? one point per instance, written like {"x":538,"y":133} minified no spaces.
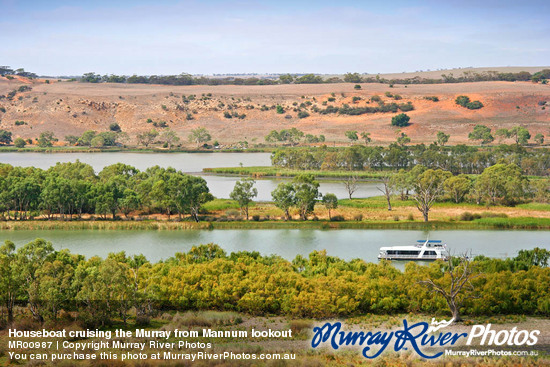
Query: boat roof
{"x":412,"y":248}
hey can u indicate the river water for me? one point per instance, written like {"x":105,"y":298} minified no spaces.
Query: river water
{"x":287,"y":243}
{"x":193,"y":163}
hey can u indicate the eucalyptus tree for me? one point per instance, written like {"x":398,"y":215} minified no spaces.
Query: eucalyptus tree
{"x":306,"y":192}
{"x":428,"y":187}
{"x":243,"y":193}
{"x":330,"y":201}
{"x":284,"y":197}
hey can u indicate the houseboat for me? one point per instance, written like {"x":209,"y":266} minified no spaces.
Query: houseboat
{"x":425,"y":250}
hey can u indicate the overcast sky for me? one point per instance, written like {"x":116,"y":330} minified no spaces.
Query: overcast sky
{"x":205,"y":37}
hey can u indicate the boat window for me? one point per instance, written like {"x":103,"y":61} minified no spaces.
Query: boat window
{"x":429,"y":253}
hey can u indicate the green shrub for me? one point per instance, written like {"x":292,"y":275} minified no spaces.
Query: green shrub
{"x":400,"y":120}
{"x":474,"y":105}
{"x":462,"y":100}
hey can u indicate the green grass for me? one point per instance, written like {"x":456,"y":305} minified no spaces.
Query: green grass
{"x":268,"y":171}
{"x":535,"y":206}
{"x":515,"y":223}
{"x":375,"y":202}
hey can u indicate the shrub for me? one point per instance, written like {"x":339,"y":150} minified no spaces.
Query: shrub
{"x":400,"y":120}
{"x":462,"y":100}
{"x":388,"y":94}
{"x":468,"y":217}
{"x":160,"y":124}
{"x":410,"y":217}
{"x":227,"y":115}
{"x":375,"y":98}
{"x":405,"y":107}
{"x":280,"y":109}
{"x":303,"y":114}
{"x":356,"y":86}
{"x":331,"y":99}
{"x":432,"y":98}
{"x":19,"y":123}
{"x":474,"y":105}
{"x":19,"y":143}
{"x":256,"y":218}
{"x":396,"y":218}
{"x":115,"y":127}
{"x":337,"y":218}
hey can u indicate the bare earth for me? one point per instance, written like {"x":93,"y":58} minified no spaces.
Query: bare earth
{"x":70,"y":108}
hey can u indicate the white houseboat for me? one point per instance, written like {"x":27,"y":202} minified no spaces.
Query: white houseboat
{"x":425,"y":250}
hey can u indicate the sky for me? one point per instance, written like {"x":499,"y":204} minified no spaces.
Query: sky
{"x":145,"y":37}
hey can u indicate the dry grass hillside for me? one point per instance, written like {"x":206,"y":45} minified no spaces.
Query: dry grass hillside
{"x":70,"y":108}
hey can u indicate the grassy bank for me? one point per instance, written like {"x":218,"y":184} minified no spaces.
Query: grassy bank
{"x":269,"y":171}
{"x":482,"y":223}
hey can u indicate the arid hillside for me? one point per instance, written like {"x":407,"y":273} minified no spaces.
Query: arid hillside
{"x":238,"y":113}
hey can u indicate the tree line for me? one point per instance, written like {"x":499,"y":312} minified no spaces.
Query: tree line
{"x":73,"y":189}
{"x":120,"y":287}
{"x":188,"y":79}
{"x":458,"y":159}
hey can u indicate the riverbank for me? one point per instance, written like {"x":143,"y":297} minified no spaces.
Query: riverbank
{"x":522,"y":223}
{"x":369,"y":213}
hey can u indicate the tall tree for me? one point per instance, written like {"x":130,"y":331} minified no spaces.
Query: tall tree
{"x":366,"y":137}
{"x":243,"y":193}
{"x":330,"y":201}
{"x":11,"y":279}
{"x":482,"y":133}
{"x":350,"y":183}
{"x":352,"y":135}
{"x":148,"y":137}
{"x":442,"y":138}
{"x":170,"y":138}
{"x":284,"y":197}
{"x":428,"y":187}
{"x":387,"y":190}
{"x":306,"y":191}
{"x":520,"y":134}
{"x":457,"y":187}
{"x":200,"y":136}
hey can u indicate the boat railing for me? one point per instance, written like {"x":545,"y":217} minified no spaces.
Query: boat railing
{"x":410,"y":256}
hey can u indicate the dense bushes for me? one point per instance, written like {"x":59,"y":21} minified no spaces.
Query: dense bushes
{"x":206,"y":278}
{"x":464,"y":101}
